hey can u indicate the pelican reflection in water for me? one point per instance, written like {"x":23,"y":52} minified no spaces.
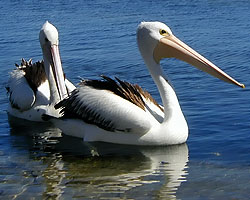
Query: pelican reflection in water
{"x":64,"y":167}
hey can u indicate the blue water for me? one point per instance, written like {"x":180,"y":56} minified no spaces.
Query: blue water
{"x":99,"y":37}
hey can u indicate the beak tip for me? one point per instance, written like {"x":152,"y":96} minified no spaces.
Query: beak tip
{"x":241,"y":85}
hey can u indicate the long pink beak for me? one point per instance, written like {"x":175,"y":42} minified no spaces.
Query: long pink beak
{"x":171,"y":46}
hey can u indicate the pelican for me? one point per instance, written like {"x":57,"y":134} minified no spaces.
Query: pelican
{"x":34,"y":89}
{"x":116,"y":111}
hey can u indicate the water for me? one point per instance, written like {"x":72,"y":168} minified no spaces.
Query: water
{"x":98,"y":37}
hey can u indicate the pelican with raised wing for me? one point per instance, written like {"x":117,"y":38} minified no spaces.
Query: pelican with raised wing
{"x":34,"y":89}
{"x":118,"y":112}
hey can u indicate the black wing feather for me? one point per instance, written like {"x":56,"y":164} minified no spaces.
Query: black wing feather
{"x":72,"y":107}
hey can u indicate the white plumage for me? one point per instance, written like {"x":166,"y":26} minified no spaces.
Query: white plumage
{"x":34,"y":89}
{"x":118,"y":112}
{"x":21,"y":95}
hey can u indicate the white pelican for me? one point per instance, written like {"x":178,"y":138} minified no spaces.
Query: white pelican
{"x":119,"y":112}
{"x":34,"y":89}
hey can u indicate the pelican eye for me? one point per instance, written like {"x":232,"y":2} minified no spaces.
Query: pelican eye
{"x":164,"y":32}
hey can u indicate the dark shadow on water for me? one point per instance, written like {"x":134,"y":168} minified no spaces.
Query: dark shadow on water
{"x":68,"y":167}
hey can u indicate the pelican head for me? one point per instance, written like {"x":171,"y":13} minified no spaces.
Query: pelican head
{"x":48,"y":34}
{"x":49,"y":43}
{"x":156,"y":41}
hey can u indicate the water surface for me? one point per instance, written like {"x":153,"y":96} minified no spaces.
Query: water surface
{"x":99,"y":37}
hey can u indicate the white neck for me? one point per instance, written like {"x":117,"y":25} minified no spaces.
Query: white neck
{"x":169,"y":99}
